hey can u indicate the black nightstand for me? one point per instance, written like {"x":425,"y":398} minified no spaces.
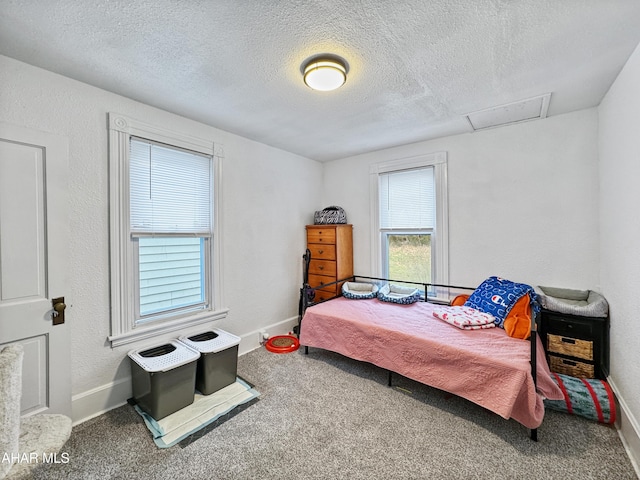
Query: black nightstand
{"x":576,"y":345}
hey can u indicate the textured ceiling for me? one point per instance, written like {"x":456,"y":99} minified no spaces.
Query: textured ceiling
{"x":415,"y":66}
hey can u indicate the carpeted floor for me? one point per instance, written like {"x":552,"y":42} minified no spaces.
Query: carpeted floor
{"x":323,"y":416}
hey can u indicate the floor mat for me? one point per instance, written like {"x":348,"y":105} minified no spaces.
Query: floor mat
{"x":204,"y":411}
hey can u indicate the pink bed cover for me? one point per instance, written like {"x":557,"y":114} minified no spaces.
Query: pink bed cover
{"x":486,"y":367}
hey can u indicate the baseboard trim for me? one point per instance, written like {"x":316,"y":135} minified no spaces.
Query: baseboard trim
{"x":99,"y":400}
{"x":250,"y":341}
{"x":628,"y":429}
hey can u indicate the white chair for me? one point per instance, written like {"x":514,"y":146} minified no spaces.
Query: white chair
{"x":23,"y":441}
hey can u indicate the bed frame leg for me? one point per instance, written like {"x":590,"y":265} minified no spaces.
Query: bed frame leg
{"x":390,"y":377}
{"x":306,"y":350}
{"x":534,"y":434}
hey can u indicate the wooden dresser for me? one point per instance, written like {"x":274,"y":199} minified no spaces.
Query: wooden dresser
{"x":331,"y":248}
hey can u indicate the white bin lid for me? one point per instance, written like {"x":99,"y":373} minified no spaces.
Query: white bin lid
{"x":222,"y":341}
{"x":163,"y":363}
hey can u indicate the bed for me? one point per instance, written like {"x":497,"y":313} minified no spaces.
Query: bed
{"x":506,"y":375}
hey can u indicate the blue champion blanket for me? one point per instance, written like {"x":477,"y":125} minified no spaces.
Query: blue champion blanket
{"x":497,"y":296}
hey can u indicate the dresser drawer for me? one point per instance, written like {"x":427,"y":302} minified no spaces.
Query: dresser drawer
{"x":322,"y":295}
{"x":322,"y":252}
{"x":572,"y":347}
{"x":323,"y":267}
{"x":569,"y":326}
{"x":317,"y":282}
{"x":321,"y":235}
{"x":571,"y":367}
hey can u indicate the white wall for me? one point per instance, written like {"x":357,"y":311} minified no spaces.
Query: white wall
{"x":523,"y":201}
{"x":268,"y":197}
{"x":619,"y":150}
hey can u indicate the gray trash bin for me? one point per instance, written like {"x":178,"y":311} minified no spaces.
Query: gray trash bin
{"x":218,"y":362}
{"x":163,"y":378}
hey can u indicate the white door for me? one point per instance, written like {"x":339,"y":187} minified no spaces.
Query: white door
{"x":33,"y":258}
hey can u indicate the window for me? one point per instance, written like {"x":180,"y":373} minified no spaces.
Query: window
{"x":409,"y":212}
{"x":165,"y":249}
{"x":171,"y":275}
{"x":170,"y":211}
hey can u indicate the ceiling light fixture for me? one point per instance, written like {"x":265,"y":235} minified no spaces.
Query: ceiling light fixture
{"x":325,"y":73}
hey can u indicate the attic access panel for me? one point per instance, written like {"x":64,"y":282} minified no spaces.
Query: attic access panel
{"x":520,"y":111}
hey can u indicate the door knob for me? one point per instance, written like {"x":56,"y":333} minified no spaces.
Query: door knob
{"x":58,"y":310}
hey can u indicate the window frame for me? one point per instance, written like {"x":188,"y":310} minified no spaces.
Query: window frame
{"x":123,"y":264}
{"x":439,"y":234}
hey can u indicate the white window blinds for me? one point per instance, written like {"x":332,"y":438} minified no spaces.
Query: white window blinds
{"x":408,"y":199}
{"x":170,"y":190}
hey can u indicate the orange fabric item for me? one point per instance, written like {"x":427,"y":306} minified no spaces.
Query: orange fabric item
{"x":459,"y":300}
{"x":518,"y":322}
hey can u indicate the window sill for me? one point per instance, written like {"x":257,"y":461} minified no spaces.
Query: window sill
{"x":150,"y":331}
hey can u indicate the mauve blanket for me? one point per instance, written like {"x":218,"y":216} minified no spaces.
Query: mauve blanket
{"x":486,"y":367}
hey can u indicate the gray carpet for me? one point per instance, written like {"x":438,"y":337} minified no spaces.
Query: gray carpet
{"x":323,"y":416}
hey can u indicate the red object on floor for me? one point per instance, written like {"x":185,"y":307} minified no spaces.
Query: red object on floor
{"x":282,"y":344}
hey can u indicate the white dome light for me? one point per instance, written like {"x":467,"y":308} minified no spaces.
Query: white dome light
{"x":325,"y":74}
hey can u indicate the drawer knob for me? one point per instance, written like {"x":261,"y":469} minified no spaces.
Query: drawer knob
{"x":320,"y":252}
{"x":569,"y":340}
{"x":320,"y":267}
